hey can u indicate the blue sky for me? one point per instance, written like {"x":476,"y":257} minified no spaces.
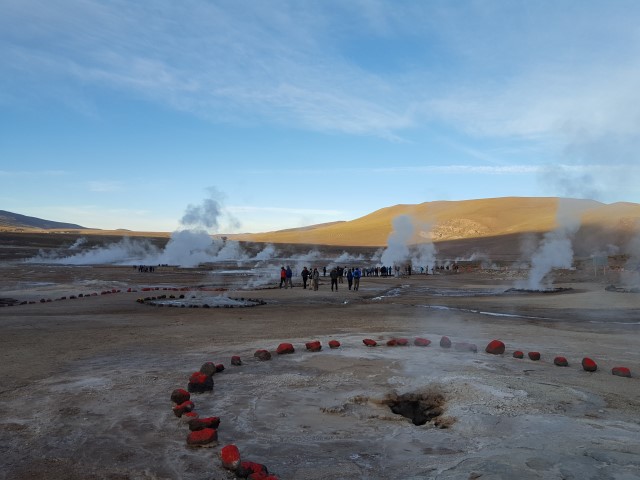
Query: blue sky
{"x":120,"y":114}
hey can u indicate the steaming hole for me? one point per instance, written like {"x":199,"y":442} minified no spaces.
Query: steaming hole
{"x":419,"y":407}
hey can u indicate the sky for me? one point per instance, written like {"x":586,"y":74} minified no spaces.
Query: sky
{"x":120,"y":114}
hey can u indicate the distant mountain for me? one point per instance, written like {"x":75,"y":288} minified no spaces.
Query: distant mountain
{"x":15,"y":220}
{"x":454,"y":221}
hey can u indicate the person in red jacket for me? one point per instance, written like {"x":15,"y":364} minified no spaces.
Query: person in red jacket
{"x":283,"y":277}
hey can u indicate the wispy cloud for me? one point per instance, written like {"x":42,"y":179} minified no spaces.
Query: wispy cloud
{"x":484,"y":69}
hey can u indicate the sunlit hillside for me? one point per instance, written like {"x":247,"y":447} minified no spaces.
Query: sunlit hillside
{"x":456,"y":220}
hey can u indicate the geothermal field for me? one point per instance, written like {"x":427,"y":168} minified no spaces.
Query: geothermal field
{"x":94,"y":343}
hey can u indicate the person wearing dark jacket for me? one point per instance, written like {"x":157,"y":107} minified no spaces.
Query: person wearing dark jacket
{"x":305,"y":276}
{"x":350,"y":278}
{"x":334,"y":278}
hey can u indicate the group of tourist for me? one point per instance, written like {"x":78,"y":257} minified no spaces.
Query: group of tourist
{"x":336,"y":274}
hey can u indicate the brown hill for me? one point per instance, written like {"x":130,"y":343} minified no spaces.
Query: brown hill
{"x":446,"y":221}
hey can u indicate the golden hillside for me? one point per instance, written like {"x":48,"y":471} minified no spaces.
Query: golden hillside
{"x":458,"y":220}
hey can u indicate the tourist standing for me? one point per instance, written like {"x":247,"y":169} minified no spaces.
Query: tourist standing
{"x":334,"y":278}
{"x":356,"y":279}
{"x":289,"y":277}
{"x":305,"y":276}
{"x":283,"y":277}
{"x":315,"y":278}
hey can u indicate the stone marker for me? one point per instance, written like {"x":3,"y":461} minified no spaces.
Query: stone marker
{"x":445,"y":342}
{"x":621,"y":372}
{"x":560,"y":362}
{"x":495,"y":347}
{"x":589,"y":365}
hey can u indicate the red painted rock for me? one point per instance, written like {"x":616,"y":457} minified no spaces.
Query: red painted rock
{"x":465,"y":347}
{"x":187,"y":417}
{"x":200,"y":383}
{"x":235,"y":360}
{"x":248,"y":468}
{"x":334,"y":344}
{"x":518,"y":354}
{"x":219,"y":367}
{"x":207,"y":437}
{"x":560,"y":362}
{"x":314,"y":346}
{"x":285,"y":349}
{"x":495,"y":347}
{"x":208,"y":368}
{"x":180,"y":395}
{"x":183,"y":408}
{"x":262,"y":355}
{"x":621,"y":372}
{"x":422,"y":342}
{"x":230,"y":457}
{"x":402,"y":342}
{"x":589,"y":365}
{"x":445,"y":342}
{"x":535,"y":356}
{"x":369,"y":342}
{"x":392,"y":343}
{"x":201,"y":423}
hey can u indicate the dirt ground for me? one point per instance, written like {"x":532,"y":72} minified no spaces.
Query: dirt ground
{"x":86,"y":381}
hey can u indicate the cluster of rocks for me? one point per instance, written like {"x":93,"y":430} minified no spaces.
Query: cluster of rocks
{"x":497,"y":347}
{"x":445,"y":342}
{"x":65,"y":297}
{"x":203,"y":431}
{"x":231,"y":460}
{"x":288,"y":348}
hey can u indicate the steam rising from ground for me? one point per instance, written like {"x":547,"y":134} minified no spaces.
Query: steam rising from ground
{"x":399,"y":252}
{"x":555,"y":250}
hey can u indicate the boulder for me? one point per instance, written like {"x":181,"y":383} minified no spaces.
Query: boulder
{"x":535,"y":356}
{"x":230,"y":457}
{"x":180,"y":395}
{"x":445,"y":342}
{"x":262,"y":355}
{"x":200,"y":383}
{"x":518,"y":354}
{"x":369,"y":342}
{"x":208,"y":368}
{"x":183,"y":408}
{"x":402,"y":342}
{"x":334,"y":344}
{"x":621,"y":372}
{"x":422,"y":342}
{"x":235,"y":360}
{"x":495,"y":347}
{"x":248,"y":468}
{"x":314,"y":346}
{"x":392,"y":343}
{"x":589,"y":365}
{"x":202,"y":423}
{"x":207,"y":437}
{"x":560,"y":362}
{"x":285,"y":349}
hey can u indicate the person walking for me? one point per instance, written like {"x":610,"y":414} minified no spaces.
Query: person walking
{"x":305,"y":276}
{"x":350,"y":278}
{"x":334,"y":278}
{"x":356,"y":279}
{"x":315,"y":279}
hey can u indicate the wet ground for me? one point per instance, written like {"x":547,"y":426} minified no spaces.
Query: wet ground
{"x":86,"y":381}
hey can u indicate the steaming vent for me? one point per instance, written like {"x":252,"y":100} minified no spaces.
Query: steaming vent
{"x":420,"y":407}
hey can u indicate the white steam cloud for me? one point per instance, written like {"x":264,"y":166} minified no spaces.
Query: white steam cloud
{"x":555,"y":250}
{"x":399,"y":250}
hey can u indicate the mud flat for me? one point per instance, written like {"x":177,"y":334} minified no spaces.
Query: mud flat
{"x":87,"y":380}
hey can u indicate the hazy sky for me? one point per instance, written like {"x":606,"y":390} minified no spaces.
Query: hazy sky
{"x":122,"y":114}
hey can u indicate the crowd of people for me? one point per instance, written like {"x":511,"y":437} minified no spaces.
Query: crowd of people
{"x":353,"y":275}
